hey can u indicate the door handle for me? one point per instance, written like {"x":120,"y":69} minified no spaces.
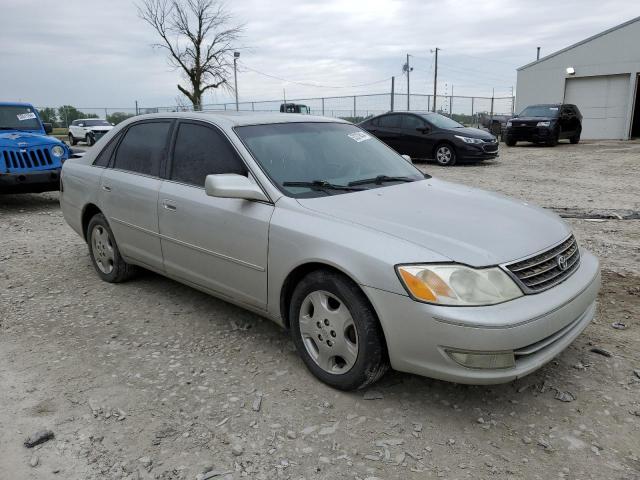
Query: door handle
{"x":106,"y":188}
{"x":169,"y":206}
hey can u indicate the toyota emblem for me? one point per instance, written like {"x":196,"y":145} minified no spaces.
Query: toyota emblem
{"x":562,"y":262}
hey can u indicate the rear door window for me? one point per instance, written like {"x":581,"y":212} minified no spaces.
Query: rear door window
{"x":143,"y":148}
{"x":411,"y":122}
{"x":104,"y":157}
{"x":201,"y":150}
{"x":389,"y":121}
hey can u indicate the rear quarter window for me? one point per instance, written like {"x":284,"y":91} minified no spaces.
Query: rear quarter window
{"x":104,"y":157}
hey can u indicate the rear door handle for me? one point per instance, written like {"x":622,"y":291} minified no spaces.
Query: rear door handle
{"x":106,"y":188}
{"x":169,"y":206}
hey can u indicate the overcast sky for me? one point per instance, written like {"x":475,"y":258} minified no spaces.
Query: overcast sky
{"x":97,"y":54}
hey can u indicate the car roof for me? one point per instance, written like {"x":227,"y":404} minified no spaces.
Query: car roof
{"x":15,"y":104}
{"x":235,"y":119}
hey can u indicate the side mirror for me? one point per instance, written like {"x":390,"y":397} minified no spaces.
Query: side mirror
{"x":81,"y":124}
{"x":407,"y":158}
{"x":231,"y":185}
{"x":113,"y":124}
{"x":48,"y":128}
{"x":515,"y":116}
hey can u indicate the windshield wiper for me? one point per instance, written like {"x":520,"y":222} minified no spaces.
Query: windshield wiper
{"x":380,"y":179}
{"x":321,"y":185}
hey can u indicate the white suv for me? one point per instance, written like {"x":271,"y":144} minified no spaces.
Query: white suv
{"x":88,"y":130}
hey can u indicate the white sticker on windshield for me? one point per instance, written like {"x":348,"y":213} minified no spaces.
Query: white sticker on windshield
{"x":26,"y":116}
{"x":359,"y":136}
{"x":553,"y":108}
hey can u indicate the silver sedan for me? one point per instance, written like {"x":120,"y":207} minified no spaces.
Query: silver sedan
{"x":322,"y":228}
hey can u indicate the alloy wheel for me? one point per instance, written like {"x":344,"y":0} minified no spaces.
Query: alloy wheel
{"x":444,"y":155}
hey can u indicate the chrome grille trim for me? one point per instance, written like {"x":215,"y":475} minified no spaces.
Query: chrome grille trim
{"x":542,"y":271}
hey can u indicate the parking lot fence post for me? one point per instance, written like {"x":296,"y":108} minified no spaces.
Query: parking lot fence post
{"x":393,"y":88}
{"x":354,"y":106}
{"x":323,"y":106}
{"x":253,"y":107}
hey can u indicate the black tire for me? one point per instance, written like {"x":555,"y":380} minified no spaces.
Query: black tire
{"x":72,"y":140}
{"x":553,"y":139}
{"x":575,"y":139}
{"x":510,"y":141}
{"x":445,"y":160}
{"x":371,"y":361}
{"x":121,"y":270}
{"x":89,"y":140}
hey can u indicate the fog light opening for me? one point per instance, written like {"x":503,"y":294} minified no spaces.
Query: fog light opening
{"x":483,"y":360}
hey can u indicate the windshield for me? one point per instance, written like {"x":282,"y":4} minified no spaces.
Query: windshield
{"x":334,"y":153}
{"x":14,"y":117}
{"x":96,"y":123}
{"x":540,"y":111}
{"x":441,"y":121}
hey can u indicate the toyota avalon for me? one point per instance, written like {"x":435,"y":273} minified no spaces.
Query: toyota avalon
{"x":317,"y":225}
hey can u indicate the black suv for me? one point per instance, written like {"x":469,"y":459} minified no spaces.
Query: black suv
{"x":545,"y":124}
{"x":431,"y":135}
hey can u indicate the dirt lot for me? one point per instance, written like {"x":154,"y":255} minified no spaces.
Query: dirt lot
{"x":151,"y":379}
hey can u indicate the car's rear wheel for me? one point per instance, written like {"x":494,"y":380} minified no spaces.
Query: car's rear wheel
{"x":575,"y":139}
{"x":104,"y":252}
{"x":72,"y":140}
{"x":445,"y":155}
{"x":336,"y":331}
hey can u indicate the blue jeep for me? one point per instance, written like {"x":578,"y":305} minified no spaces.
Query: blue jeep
{"x":30,"y":161}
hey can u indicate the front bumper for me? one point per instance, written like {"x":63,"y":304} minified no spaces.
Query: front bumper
{"x":538,"y":327}
{"x":30,"y":182}
{"x":529,"y":134}
{"x":469,"y":151}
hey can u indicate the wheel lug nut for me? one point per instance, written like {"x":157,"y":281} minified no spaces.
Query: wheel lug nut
{"x":333,"y":333}
{"x":320,"y":337}
{"x":318,"y":324}
{"x":326,"y":321}
{"x":330,"y":343}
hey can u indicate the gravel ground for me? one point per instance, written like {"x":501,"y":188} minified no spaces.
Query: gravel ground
{"x":151,"y":379}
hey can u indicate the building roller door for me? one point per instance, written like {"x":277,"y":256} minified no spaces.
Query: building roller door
{"x":603,"y":103}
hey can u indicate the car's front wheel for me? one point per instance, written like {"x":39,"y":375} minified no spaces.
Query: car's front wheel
{"x":104,"y":252}
{"x":89,"y":139}
{"x":72,"y":140}
{"x":445,"y":155}
{"x":336,"y":331}
{"x":509,"y":141}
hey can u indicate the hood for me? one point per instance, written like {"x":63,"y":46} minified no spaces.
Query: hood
{"x":467,"y":225}
{"x":472,"y":132}
{"x":16,"y":138}
{"x":532,"y":119}
{"x":102,"y":128}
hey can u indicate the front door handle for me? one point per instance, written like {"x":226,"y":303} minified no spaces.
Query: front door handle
{"x":106,"y":188}
{"x":169,"y":206}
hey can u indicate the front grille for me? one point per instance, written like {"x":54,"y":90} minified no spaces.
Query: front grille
{"x":543,"y":271}
{"x":26,"y":159}
{"x":490,"y":147}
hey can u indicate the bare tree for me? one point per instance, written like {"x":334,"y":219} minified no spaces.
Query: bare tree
{"x":198,"y":37}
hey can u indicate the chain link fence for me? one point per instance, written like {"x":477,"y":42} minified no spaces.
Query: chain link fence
{"x":469,"y":110}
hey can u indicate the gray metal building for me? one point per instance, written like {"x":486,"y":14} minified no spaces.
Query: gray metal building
{"x":601,"y":75}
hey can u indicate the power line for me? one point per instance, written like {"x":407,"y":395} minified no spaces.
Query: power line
{"x":311,"y":84}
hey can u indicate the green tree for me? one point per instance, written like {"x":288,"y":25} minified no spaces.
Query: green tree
{"x":117,"y":117}
{"x":49,"y":115}
{"x":69,"y":113}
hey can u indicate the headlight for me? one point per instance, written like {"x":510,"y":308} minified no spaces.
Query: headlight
{"x":469,"y":139}
{"x":452,"y":284}
{"x":57,"y":151}
{"x":543,"y":124}
{"x":509,"y":123}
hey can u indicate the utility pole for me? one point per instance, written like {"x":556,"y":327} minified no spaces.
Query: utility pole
{"x":435,"y":79}
{"x":236,"y":55}
{"x":451,"y":103}
{"x":407,"y":68}
{"x":393,"y":92}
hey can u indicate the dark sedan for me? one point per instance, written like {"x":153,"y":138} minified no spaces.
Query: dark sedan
{"x":431,"y":135}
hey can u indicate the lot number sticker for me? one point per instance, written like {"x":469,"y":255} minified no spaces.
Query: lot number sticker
{"x":26,"y":116}
{"x":359,"y":136}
